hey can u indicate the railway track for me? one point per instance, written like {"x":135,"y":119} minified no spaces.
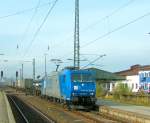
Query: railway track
{"x":89,"y":116}
{"x":95,"y":117}
{"x":25,"y":114}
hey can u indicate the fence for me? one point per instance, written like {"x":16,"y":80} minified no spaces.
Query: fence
{"x":134,"y":99}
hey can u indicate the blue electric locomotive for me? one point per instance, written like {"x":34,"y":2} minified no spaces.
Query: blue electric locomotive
{"x":71,"y":86}
{"x":78,"y":87}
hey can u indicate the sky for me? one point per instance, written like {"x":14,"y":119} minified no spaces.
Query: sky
{"x":102,"y":23}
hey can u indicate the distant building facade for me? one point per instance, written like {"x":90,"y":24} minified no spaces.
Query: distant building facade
{"x":137,"y":77}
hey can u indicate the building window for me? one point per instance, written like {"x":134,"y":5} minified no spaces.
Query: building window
{"x":108,"y":86}
{"x":145,"y":86}
{"x":126,"y":85}
{"x":132,"y":85}
{"x":113,"y":85}
{"x":136,"y":86}
{"x":147,"y":74}
{"x":144,"y":74}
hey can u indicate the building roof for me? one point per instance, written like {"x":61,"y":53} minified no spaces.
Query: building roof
{"x":134,"y":70}
{"x":105,"y":75}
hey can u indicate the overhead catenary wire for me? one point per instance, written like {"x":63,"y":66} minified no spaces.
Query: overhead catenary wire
{"x":112,"y":31}
{"x":29,"y":23}
{"x":93,"y":61}
{"x":39,"y":28}
{"x":102,"y":19}
{"x":24,"y":11}
{"x":107,"y":16}
{"x":116,"y":29}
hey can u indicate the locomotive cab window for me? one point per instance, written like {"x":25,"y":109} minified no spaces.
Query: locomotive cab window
{"x":82,"y":78}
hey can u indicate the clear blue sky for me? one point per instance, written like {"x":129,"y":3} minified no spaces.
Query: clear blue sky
{"x":123,"y":48}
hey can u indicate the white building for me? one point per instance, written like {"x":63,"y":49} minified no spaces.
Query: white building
{"x":133,"y":76}
{"x":133,"y":82}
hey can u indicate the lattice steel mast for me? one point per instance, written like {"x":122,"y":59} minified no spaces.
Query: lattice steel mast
{"x":76,"y":37}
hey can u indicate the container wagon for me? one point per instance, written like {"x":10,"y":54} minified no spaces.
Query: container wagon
{"x":28,"y":85}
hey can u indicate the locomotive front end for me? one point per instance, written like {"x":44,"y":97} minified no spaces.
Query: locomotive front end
{"x":83,"y":87}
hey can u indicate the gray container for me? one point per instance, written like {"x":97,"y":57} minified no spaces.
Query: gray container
{"x":28,"y":83}
{"x":52,"y":86}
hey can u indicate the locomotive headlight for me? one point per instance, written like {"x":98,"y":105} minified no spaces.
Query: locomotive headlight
{"x":75,"y":87}
{"x":91,"y":93}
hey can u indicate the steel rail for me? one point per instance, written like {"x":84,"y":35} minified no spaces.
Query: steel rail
{"x":42,"y":114}
{"x":26,"y":120}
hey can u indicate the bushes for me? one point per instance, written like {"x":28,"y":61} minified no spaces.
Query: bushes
{"x":121,"y":90}
{"x":100,"y":91}
{"x":123,"y":93}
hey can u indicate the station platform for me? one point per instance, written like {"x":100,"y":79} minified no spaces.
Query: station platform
{"x":127,"y":112}
{"x":6,"y":115}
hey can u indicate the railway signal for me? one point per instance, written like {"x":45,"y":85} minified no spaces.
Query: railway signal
{"x":2,"y":74}
{"x":17,"y":46}
{"x":16,"y":74}
{"x":48,"y":48}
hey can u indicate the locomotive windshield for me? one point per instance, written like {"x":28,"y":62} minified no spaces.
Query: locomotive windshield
{"x":82,"y":78}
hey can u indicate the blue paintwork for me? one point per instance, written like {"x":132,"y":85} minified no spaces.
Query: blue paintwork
{"x":65,"y":84}
{"x":69,"y":89}
{"x":84,"y":89}
{"x":145,"y":81}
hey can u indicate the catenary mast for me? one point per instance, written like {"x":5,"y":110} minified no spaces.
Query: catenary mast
{"x":76,"y":37}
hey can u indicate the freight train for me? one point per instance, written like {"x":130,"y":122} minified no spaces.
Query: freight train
{"x":75,"y":88}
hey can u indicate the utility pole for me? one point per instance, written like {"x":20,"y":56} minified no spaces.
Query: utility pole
{"x":22,"y":72}
{"x":20,"y":77}
{"x":17,"y":79}
{"x":45,"y":65}
{"x":34,"y":69}
{"x":76,"y":37}
{"x":2,"y":74}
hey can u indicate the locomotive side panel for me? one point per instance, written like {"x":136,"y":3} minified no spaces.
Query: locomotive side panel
{"x":65,"y":85}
